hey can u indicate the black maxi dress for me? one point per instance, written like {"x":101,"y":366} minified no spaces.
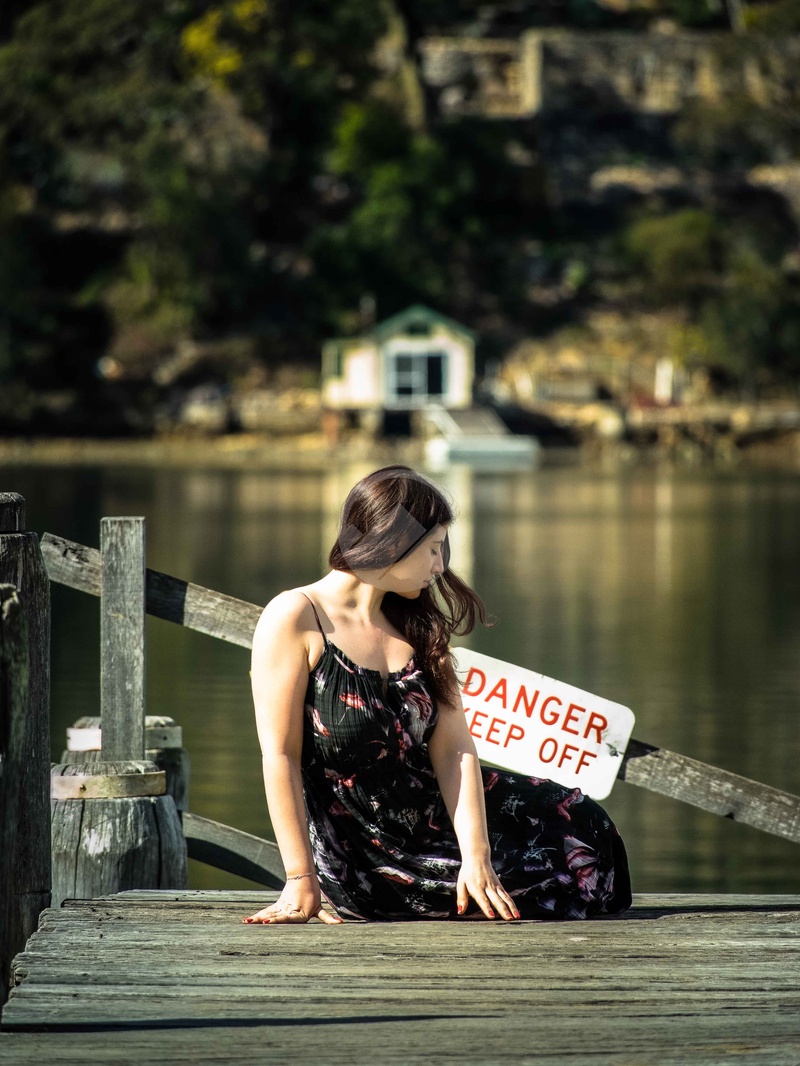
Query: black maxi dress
{"x":384,"y":845}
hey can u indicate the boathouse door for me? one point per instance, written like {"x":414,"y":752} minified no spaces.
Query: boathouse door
{"x":415,"y":379}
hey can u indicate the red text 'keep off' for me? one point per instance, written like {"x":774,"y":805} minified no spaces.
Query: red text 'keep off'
{"x":540,"y":727}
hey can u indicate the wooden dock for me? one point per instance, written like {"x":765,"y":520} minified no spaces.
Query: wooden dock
{"x":170,"y":975}
{"x":173,"y":976}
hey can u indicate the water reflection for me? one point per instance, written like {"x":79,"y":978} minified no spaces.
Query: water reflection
{"x":675,"y":593}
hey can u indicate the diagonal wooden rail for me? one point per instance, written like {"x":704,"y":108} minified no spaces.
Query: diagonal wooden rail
{"x":666,"y":772}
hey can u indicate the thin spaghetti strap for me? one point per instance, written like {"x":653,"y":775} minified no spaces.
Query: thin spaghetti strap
{"x":319,"y":624}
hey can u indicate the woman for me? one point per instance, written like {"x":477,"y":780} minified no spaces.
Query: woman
{"x":376,"y":795}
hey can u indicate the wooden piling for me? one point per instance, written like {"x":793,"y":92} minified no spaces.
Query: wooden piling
{"x":114,"y":829}
{"x":24,"y":731}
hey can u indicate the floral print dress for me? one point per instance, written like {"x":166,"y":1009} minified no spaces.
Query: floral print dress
{"x":384,"y":846}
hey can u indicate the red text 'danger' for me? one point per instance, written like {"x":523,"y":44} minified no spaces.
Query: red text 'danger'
{"x":572,"y":718}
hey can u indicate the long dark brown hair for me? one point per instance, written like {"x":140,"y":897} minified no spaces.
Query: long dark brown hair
{"x":385,"y":517}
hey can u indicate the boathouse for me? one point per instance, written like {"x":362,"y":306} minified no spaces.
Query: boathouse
{"x":413,"y":360}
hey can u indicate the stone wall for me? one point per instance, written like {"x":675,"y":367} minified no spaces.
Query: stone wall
{"x":597,"y":100}
{"x":474,"y":76}
{"x":651,"y":73}
{"x":546,"y":71}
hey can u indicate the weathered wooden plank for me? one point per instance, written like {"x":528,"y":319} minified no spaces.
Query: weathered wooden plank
{"x":25,"y":741}
{"x":712,"y":789}
{"x":233,"y":850}
{"x":713,"y":954}
{"x":122,"y":619}
{"x":401,"y":1040}
{"x":719,"y":965}
{"x":405,"y":1040}
{"x":671,"y":903}
{"x":130,"y":912}
{"x":248,"y":987}
{"x":135,"y":1005}
{"x":404,"y":983}
{"x":718,"y":960}
{"x":200,"y":896}
{"x":178,"y":601}
{"x":493,"y":1009}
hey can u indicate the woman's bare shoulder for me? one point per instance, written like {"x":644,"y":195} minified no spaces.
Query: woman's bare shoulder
{"x":290,"y":610}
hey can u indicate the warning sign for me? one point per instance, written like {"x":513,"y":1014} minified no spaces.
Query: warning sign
{"x":534,"y":725}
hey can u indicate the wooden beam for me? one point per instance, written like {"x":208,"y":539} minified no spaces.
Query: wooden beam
{"x":712,"y":789}
{"x":122,"y":618}
{"x":233,"y":850}
{"x":178,"y":601}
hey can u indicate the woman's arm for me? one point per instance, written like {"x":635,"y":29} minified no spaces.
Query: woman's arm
{"x":280,"y":678}
{"x":457,"y":769}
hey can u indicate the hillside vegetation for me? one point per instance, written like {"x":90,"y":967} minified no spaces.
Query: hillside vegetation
{"x":204,"y":192}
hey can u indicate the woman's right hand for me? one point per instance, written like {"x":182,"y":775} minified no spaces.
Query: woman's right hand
{"x":298,"y":902}
{"x":280,"y":669}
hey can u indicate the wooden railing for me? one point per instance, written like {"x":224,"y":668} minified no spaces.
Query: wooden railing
{"x":657,"y":769}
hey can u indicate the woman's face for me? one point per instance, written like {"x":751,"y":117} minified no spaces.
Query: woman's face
{"x":417,"y":570}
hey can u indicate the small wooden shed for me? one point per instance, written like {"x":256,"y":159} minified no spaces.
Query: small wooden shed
{"x":415,"y":359}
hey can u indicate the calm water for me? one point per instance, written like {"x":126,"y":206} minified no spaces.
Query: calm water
{"x":674,"y":592}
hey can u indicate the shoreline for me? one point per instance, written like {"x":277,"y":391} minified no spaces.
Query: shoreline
{"x":311,"y":452}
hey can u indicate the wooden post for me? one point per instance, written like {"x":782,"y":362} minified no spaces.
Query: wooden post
{"x":25,"y":880}
{"x":122,"y":619}
{"x":13,"y":701}
{"x":114,"y":827}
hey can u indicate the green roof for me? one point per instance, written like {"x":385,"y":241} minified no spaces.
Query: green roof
{"x":418,"y":313}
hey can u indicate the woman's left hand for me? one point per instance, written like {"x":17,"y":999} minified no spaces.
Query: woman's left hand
{"x":478,"y":879}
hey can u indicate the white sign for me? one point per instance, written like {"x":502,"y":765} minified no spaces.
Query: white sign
{"x":531,"y":724}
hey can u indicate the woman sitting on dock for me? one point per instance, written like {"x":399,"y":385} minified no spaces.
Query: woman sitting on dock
{"x":377,"y":799}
